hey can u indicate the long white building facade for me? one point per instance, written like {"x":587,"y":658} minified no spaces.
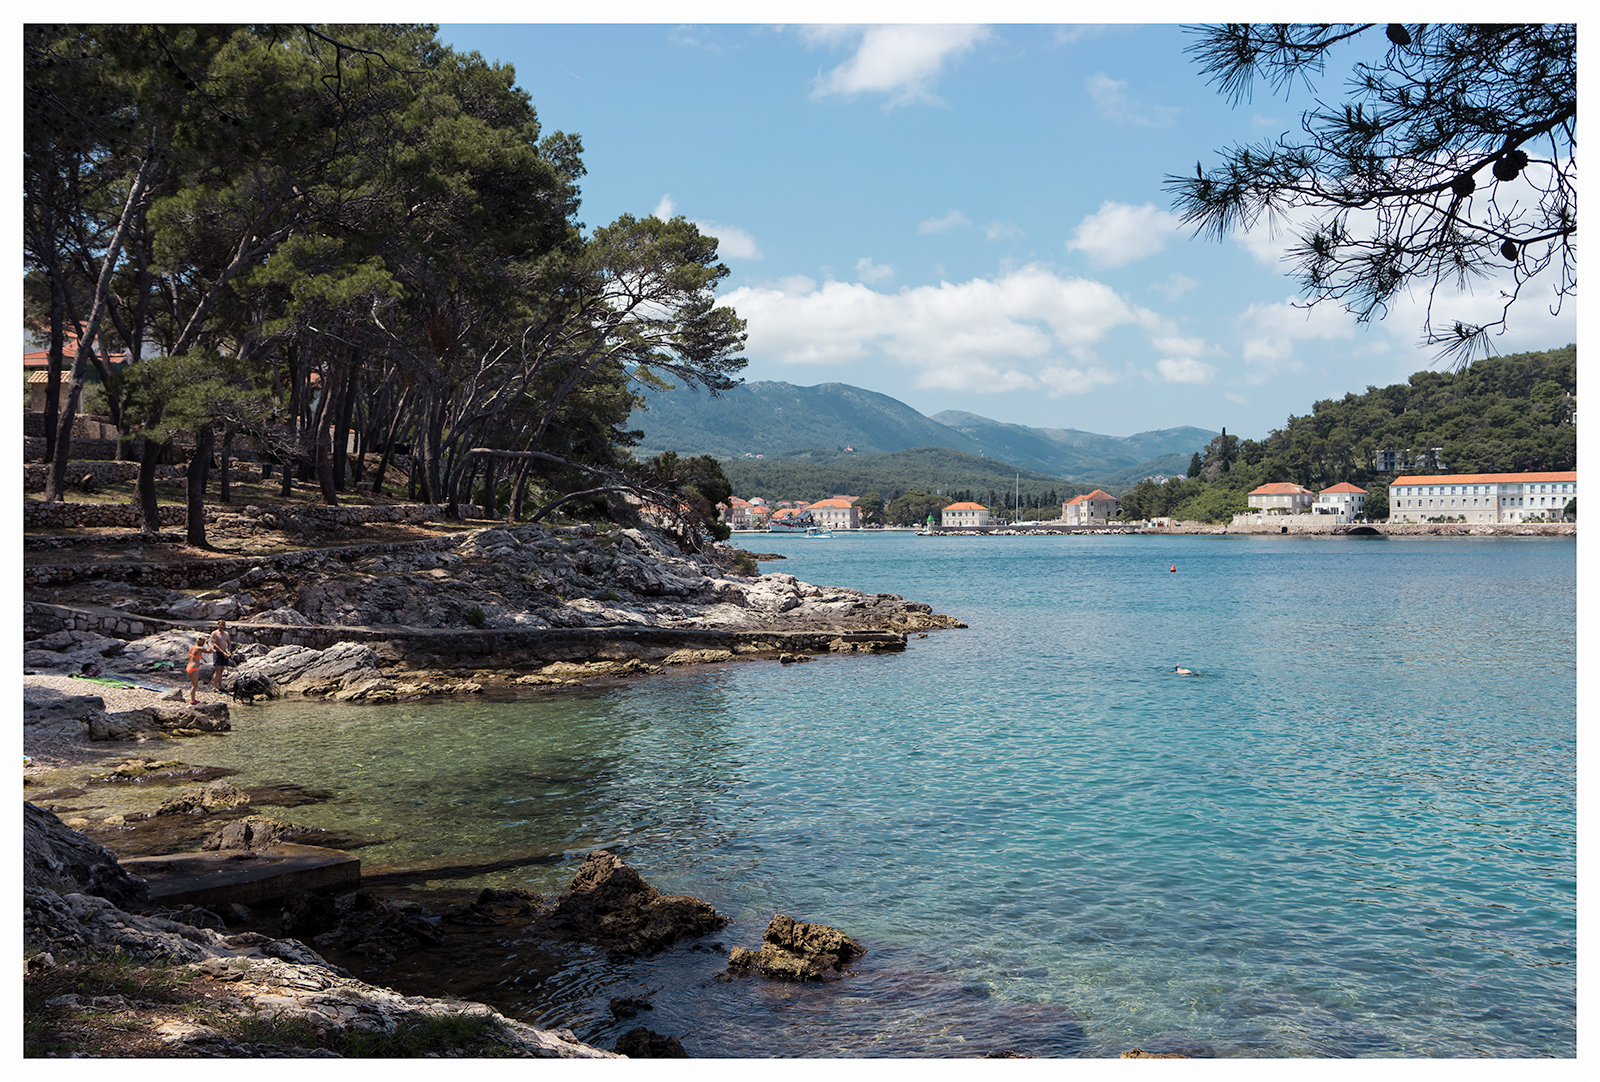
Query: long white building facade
{"x":1483,"y":497}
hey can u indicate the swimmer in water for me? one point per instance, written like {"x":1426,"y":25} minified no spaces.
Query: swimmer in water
{"x":1181,"y":671}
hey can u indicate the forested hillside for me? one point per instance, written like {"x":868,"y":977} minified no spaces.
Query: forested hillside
{"x":931,"y":470}
{"x":1501,"y":415}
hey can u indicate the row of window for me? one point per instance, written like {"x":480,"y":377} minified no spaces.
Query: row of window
{"x":1459,"y":490}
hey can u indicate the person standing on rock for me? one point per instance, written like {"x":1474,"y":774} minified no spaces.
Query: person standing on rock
{"x":221,"y":653}
{"x":197,"y":653}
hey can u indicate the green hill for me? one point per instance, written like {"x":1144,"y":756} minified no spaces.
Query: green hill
{"x":817,"y":475}
{"x":773,"y":419}
{"x":779,"y":420}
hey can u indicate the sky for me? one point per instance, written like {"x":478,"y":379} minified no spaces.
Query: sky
{"x":971,"y":217}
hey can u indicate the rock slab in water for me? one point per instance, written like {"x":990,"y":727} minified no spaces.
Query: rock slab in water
{"x":797,"y":951}
{"x":203,"y":799}
{"x":611,"y":903}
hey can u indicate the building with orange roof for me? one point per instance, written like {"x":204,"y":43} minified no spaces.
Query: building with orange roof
{"x":1483,"y":497}
{"x":964,"y":513}
{"x":836,"y":513}
{"x":1281,"y":498}
{"x":36,"y":372}
{"x":1090,"y":509}
{"x":1344,"y":501}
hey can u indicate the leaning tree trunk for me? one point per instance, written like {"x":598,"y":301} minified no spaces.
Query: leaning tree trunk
{"x":205,"y":439}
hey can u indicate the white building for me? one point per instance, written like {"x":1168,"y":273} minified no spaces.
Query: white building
{"x":965,"y":513}
{"x":838,"y":513}
{"x":1344,"y":501}
{"x":1281,"y":498}
{"x":1091,"y":509}
{"x":1483,"y":497}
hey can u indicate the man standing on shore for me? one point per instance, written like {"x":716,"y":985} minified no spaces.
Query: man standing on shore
{"x":221,"y":653}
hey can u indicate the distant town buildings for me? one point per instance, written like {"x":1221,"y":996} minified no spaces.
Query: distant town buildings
{"x":1091,"y":509}
{"x":964,"y":513}
{"x":1483,"y":497}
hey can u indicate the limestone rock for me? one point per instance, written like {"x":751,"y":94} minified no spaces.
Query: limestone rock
{"x":697,"y":657}
{"x":59,"y":858}
{"x":300,"y":668}
{"x":610,"y":903}
{"x":203,"y":799}
{"x":792,"y":950}
{"x":251,"y":832}
{"x":642,"y":1043}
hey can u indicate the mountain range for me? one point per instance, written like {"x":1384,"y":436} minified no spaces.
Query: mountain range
{"x":778,"y":420}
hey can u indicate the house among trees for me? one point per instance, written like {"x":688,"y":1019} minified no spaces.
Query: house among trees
{"x":1281,"y":498}
{"x":1091,"y":509}
{"x":964,"y":513}
{"x":1343,"y":500}
{"x":36,"y":373}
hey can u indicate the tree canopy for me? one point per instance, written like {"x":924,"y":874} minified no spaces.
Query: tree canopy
{"x":370,"y":243}
{"x":1452,"y":158}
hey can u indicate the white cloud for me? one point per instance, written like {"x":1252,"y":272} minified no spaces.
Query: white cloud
{"x":1029,"y":328}
{"x":868,"y":271}
{"x":1175,"y":286}
{"x":997,"y":230}
{"x":732,"y":242}
{"x":1118,"y":233}
{"x":951,"y":220}
{"x":1271,"y":330}
{"x":1184,"y":370}
{"x":902,"y":62}
{"x":1111,"y":100}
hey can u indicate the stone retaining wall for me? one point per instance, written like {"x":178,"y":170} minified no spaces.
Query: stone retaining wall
{"x":36,"y":476}
{"x":68,"y":515}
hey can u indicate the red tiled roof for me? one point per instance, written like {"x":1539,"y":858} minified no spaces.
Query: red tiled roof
{"x":837,"y":501}
{"x":40,"y":358}
{"x":966,"y":505}
{"x":1279,"y":488}
{"x":1485,"y":478}
{"x":1345,"y":486}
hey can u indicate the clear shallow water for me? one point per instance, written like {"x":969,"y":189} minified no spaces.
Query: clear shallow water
{"x":1353,"y":833}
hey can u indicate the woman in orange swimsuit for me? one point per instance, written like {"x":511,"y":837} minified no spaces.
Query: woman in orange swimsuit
{"x":196,"y":652}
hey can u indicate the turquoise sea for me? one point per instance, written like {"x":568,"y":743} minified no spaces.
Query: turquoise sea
{"x":1352,"y":833}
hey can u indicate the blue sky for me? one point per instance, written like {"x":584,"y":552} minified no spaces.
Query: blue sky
{"x":969,"y":217}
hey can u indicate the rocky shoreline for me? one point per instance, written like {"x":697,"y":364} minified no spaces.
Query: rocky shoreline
{"x":509,"y":609}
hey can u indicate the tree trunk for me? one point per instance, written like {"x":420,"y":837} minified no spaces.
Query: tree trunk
{"x":223,"y":495}
{"x":52,"y":387}
{"x":57,"y":485}
{"x":341,"y":432}
{"x":205,"y":439}
{"x":145,"y":488}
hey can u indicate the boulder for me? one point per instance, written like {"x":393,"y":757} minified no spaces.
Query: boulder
{"x":204,"y":799}
{"x":58,"y":858}
{"x":300,"y":668}
{"x":610,"y":903}
{"x":371,"y":925}
{"x":792,"y":950}
{"x":641,"y":1043}
{"x":285,"y":616}
{"x":177,"y":720}
{"x":251,"y":832}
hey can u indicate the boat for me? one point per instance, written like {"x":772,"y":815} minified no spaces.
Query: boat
{"x":819,"y":531}
{"x":791,"y":524}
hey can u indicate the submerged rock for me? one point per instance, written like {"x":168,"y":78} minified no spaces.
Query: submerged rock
{"x":203,"y":799}
{"x":796,"y":951}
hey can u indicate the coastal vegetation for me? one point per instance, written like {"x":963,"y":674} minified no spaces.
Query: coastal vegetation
{"x":1501,"y":415}
{"x":355,"y":248}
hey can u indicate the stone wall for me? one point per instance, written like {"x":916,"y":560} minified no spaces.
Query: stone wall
{"x":36,"y":476}
{"x":61,"y":516}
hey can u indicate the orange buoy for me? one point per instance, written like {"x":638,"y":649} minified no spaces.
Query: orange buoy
{"x":1174,"y":569}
